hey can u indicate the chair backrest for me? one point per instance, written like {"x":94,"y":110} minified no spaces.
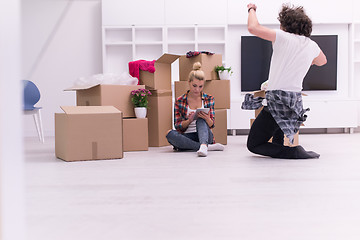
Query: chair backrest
{"x":31,"y":95}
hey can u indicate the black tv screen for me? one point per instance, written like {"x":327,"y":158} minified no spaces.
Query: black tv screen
{"x":255,"y":64}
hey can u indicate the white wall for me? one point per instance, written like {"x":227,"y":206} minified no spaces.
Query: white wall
{"x":62,"y":41}
{"x":12,"y":214}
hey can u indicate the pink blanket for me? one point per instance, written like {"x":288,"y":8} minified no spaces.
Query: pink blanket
{"x":135,"y":66}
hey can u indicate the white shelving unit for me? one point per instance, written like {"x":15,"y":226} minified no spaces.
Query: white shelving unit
{"x":355,"y":63}
{"x":122,"y":44}
{"x":355,"y":59}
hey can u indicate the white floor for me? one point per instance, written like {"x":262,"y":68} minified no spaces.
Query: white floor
{"x":164,"y":195}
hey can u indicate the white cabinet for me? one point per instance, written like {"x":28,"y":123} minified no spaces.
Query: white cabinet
{"x":355,"y":64}
{"x":138,"y":12}
{"x":268,"y":11}
{"x":331,"y":113}
{"x":356,"y":59}
{"x":124,"y":44}
{"x":128,"y":43}
{"x":181,"y":39}
{"x":195,"y":12}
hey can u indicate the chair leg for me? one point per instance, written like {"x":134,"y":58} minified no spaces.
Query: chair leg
{"x":38,"y":123}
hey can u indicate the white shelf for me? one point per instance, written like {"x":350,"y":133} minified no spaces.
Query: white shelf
{"x":122,"y":44}
{"x":148,"y":43}
{"x":212,"y":42}
{"x":148,"y":34}
{"x":181,"y":34}
{"x":118,"y":43}
{"x":181,"y":42}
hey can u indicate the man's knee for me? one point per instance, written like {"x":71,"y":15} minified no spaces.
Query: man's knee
{"x":250,"y":145}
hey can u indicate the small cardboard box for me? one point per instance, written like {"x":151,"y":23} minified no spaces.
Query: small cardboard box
{"x":88,"y":133}
{"x":160,"y":117}
{"x":219,"y":89}
{"x":118,"y":96}
{"x":135,"y":132}
{"x":259,"y":93}
{"x":208,"y":64}
{"x":286,"y":140}
{"x":220,"y":129}
{"x":161,"y":78}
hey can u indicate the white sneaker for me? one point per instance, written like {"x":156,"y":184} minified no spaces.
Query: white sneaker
{"x":216,"y":147}
{"x":202,"y":152}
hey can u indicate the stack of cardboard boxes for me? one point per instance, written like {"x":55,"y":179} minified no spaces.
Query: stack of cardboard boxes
{"x":160,"y":102}
{"x":93,"y":137}
{"x":103,"y":124}
{"x":219,"y":89}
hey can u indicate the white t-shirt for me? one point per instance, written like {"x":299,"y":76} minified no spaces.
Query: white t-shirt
{"x":192,"y":126}
{"x":291,"y":59}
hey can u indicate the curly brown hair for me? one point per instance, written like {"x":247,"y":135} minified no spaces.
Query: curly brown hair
{"x":293,"y":19}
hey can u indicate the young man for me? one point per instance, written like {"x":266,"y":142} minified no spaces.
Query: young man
{"x":293,"y":54}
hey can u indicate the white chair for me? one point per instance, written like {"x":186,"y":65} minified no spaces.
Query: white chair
{"x":31,"y":97}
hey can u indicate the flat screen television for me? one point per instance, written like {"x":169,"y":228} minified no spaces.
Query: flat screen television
{"x":255,"y":64}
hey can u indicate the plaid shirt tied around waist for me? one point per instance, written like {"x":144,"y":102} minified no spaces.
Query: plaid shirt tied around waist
{"x":284,"y":106}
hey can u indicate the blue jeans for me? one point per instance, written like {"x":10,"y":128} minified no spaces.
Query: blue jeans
{"x":191,"y":141}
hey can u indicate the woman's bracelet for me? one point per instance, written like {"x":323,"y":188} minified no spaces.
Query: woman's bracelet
{"x":251,"y":8}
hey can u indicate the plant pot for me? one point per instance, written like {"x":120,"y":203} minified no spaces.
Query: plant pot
{"x":224,"y":75}
{"x":140,"y":112}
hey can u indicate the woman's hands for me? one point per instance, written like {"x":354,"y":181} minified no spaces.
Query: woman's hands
{"x":206,"y":117}
{"x":191,"y":117}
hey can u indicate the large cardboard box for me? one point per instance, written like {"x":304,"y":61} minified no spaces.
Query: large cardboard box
{"x":160,"y":117}
{"x":220,"y":129}
{"x":208,"y":64}
{"x":88,"y":133}
{"x":286,"y":140}
{"x":135,"y":132}
{"x":219,"y":89}
{"x":161,"y":78}
{"x":118,"y":96}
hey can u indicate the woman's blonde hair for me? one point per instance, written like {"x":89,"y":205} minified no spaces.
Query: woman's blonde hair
{"x":196,"y":72}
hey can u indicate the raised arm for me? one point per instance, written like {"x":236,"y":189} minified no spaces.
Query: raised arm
{"x":255,"y":28}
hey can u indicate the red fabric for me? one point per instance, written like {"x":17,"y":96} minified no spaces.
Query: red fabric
{"x":135,"y":66}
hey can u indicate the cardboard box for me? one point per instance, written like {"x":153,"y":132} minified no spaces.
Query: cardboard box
{"x":88,"y":133}
{"x":219,"y":89}
{"x":286,"y":140}
{"x":107,"y":95}
{"x":220,"y":129}
{"x":208,"y":63}
{"x":161,"y":78}
{"x":160,"y":117}
{"x":135,"y":134}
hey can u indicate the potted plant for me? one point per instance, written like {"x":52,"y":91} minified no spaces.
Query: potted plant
{"x":223,"y":72}
{"x":140,"y":101}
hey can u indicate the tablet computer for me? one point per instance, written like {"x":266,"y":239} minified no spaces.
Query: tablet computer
{"x":206,"y":110}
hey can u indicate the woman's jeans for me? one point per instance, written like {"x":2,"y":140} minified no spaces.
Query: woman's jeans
{"x":265,"y":127}
{"x":191,"y":141}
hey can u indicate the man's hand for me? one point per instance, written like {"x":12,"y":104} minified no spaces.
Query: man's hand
{"x":251,"y":5}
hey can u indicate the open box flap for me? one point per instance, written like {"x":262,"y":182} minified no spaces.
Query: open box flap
{"x":167,"y":58}
{"x":82,"y":87}
{"x":89,"y":109}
